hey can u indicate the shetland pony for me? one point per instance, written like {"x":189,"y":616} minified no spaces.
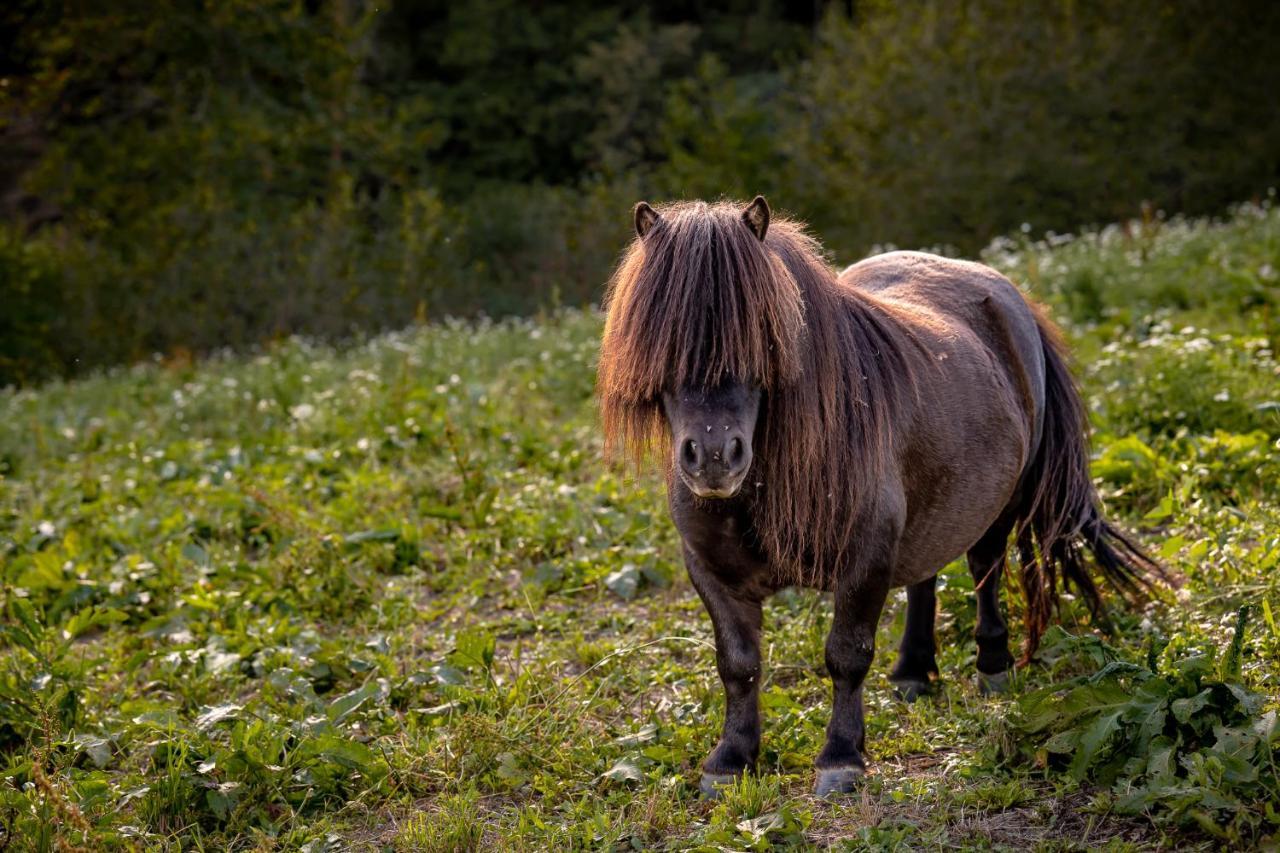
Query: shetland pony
{"x":853,"y":433}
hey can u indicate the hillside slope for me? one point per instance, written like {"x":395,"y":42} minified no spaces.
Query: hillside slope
{"x":390,"y":596}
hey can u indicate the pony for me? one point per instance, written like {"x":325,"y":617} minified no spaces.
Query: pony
{"x":853,"y":433}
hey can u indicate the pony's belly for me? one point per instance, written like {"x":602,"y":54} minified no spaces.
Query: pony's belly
{"x":957,"y":518}
{"x":920,"y":558}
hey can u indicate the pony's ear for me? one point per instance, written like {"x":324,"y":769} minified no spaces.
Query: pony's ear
{"x":756,"y":215}
{"x":646,"y":218}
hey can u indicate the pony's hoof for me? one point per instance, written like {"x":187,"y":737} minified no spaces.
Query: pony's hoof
{"x":993,"y":684}
{"x":712,"y":783}
{"x":838,"y":780}
{"x":910,"y":689}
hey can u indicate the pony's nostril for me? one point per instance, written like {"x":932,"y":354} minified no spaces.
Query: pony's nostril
{"x":735,"y":452}
{"x":689,"y":454}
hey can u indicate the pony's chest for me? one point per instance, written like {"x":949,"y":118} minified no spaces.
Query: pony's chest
{"x":724,"y":538}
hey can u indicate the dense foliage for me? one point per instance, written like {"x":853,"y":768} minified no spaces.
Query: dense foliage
{"x":178,"y":176}
{"x":390,"y":596}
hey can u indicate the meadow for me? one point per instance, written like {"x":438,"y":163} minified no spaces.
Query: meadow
{"x":391,"y":596}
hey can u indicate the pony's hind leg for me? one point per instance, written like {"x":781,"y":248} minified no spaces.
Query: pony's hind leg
{"x":987,"y":561}
{"x":917,"y":665}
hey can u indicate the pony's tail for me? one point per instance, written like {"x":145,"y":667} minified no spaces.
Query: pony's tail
{"x":1062,"y":514}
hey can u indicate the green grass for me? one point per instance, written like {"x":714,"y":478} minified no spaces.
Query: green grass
{"x":390,"y":597}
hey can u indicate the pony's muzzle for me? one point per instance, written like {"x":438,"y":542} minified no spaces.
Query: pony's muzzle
{"x":715,"y":464}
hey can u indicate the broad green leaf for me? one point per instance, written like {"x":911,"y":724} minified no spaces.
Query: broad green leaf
{"x":196,"y":553}
{"x":350,"y":754}
{"x":347,"y":704}
{"x":97,"y":617}
{"x":625,"y":770}
{"x":1185,"y":709}
{"x":446,"y":674}
{"x":97,"y":748}
{"x":645,"y":735}
{"x":624,"y":582}
{"x":473,"y":649}
{"x":210,"y":717}
{"x":1162,"y":510}
{"x":1092,"y":740}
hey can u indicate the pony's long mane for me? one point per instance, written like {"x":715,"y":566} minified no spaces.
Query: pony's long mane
{"x":700,"y":300}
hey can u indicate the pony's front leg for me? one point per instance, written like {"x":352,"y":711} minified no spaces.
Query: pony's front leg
{"x":736,"y":617}
{"x":859,"y":598}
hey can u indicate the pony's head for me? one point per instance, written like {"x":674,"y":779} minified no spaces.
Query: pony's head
{"x":704,"y":321}
{"x":731,"y":348}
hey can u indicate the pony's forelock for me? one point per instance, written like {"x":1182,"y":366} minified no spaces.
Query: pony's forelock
{"x":697,"y":301}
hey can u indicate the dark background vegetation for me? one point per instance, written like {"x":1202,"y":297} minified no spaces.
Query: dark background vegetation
{"x":181,"y":176}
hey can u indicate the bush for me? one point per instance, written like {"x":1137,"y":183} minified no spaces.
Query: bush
{"x":951,"y":123}
{"x":31,"y":291}
{"x":1180,"y":737}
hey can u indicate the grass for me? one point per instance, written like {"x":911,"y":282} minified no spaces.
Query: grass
{"x":389,"y":597}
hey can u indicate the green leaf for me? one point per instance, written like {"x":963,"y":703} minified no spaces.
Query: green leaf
{"x":96,"y":617}
{"x":1162,"y":762}
{"x":1092,"y":740}
{"x":472,"y":649}
{"x":1162,"y":510}
{"x":26,"y":630}
{"x":624,"y":582}
{"x":446,"y":674}
{"x":196,"y":553}
{"x":1236,"y":750}
{"x":350,"y":754}
{"x":1250,"y":702}
{"x":44,"y":573}
{"x":1171,"y":546}
{"x":1230,"y":665}
{"x":1063,"y":742}
{"x":211,"y":716}
{"x":383,"y":535}
{"x":1150,"y":710}
{"x":97,"y":748}
{"x":1185,"y":709}
{"x":348,"y":703}
{"x":625,"y":770}
{"x":1267,"y":728}
{"x":645,"y":735}
{"x":222,"y":799}
{"x":509,"y":769}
